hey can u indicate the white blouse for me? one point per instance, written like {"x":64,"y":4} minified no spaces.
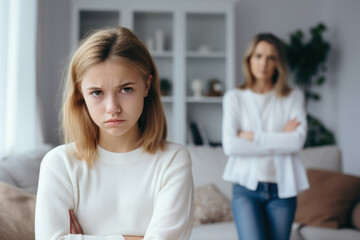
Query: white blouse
{"x":241,"y":113}
{"x":266,"y":172}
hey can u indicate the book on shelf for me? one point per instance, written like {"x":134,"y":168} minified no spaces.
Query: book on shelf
{"x":198,"y":134}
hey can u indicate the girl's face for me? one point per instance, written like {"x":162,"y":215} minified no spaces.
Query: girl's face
{"x":114,"y":95}
{"x":263,"y":61}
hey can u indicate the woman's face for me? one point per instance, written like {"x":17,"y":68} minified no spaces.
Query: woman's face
{"x":114,"y":95}
{"x":263,"y":61}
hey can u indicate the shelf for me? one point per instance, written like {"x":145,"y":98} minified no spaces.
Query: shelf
{"x":178,"y":38}
{"x":198,"y":34}
{"x":91,"y":20}
{"x":209,"y":54}
{"x":204,"y":99}
{"x":155,"y":29}
{"x":162,"y":54}
{"x":166,"y":99}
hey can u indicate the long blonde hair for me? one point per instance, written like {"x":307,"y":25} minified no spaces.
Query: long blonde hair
{"x":280,"y":75}
{"x":118,"y":44}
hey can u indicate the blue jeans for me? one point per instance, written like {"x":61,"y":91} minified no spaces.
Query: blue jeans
{"x":261,"y":214}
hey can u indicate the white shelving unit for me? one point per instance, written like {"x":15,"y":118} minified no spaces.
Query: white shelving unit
{"x":198,"y":44}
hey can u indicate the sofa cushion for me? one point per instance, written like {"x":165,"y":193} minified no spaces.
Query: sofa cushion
{"x":320,"y":233}
{"x":17,"y":203}
{"x":17,"y":213}
{"x":214,"y":231}
{"x":323,"y":158}
{"x":22,"y":170}
{"x":208,"y":164}
{"x":329,"y":200}
{"x":11,"y":229}
{"x":210,"y":205}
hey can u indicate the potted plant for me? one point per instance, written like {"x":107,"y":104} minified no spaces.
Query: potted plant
{"x":307,"y":60}
{"x":165,"y":86}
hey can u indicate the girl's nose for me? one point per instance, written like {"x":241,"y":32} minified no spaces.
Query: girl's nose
{"x":113,"y":105}
{"x":264,"y":62}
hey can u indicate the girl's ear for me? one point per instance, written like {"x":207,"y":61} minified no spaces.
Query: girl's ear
{"x":147,"y":85}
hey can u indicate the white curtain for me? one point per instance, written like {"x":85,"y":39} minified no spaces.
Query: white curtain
{"x":18,"y":109}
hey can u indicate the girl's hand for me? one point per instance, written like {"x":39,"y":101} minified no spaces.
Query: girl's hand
{"x":75,"y":227}
{"x":133,"y":237}
{"x":291,"y":125}
{"x":246,"y":135}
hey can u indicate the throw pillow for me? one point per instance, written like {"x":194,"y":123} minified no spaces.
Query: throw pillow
{"x":11,"y":229}
{"x":329,"y":200}
{"x":22,"y":170}
{"x":355,"y":218}
{"x":210,"y":205}
{"x":18,"y":204}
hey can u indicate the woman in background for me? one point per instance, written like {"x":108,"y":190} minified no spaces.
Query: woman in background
{"x":264,"y":126}
{"x":116,"y":177}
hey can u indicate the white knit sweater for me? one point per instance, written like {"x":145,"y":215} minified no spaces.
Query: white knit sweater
{"x":132,"y":193}
{"x":240,"y":113}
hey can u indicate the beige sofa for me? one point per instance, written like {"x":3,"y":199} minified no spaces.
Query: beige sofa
{"x":17,"y":205}
{"x":208,"y":164}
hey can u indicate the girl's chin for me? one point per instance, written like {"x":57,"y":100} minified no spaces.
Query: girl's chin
{"x":113,"y":133}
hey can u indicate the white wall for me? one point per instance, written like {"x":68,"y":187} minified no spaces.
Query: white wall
{"x":338,"y":108}
{"x":53,"y":51}
{"x":343,"y":18}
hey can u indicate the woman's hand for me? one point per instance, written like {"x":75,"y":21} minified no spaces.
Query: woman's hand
{"x":291,"y":125}
{"x":75,"y":227}
{"x":246,"y":135}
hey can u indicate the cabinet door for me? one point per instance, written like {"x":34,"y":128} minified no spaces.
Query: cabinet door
{"x":90,"y":20}
{"x":206,"y":76}
{"x":192,"y":45}
{"x":155,"y":29}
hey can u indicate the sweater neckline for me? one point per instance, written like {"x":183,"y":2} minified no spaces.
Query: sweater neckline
{"x":262,"y":94}
{"x":121,"y":158}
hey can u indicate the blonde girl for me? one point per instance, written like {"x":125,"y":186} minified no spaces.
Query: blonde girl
{"x":116,"y":176}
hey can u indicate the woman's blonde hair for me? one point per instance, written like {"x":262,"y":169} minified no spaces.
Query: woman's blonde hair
{"x":280,"y":75}
{"x":120,"y":45}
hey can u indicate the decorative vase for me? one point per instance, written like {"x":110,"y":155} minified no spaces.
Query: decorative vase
{"x":150,"y":44}
{"x":197,"y":87}
{"x":159,"y":40}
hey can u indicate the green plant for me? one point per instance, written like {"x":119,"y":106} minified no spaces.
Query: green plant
{"x":165,"y":86}
{"x":317,"y":134}
{"x":307,"y":60}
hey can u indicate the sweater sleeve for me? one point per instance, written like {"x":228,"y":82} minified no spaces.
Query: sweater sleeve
{"x":287,"y":142}
{"x":173,"y":210}
{"x":232,"y":144}
{"x":54,"y":199}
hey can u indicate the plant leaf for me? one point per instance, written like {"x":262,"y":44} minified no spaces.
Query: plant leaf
{"x":315,"y":96}
{"x":320,"y":81}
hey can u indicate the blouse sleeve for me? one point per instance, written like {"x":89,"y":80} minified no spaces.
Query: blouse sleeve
{"x":173,"y":211}
{"x":53,"y":201}
{"x":232,"y":144}
{"x":287,"y":142}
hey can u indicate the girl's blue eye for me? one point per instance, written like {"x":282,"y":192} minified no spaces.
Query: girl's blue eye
{"x":97,"y":93}
{"x":126,"y":90}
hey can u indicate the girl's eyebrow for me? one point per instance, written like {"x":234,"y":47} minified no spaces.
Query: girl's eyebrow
{"x":126,"y":84}
{"x":92,"y":88}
